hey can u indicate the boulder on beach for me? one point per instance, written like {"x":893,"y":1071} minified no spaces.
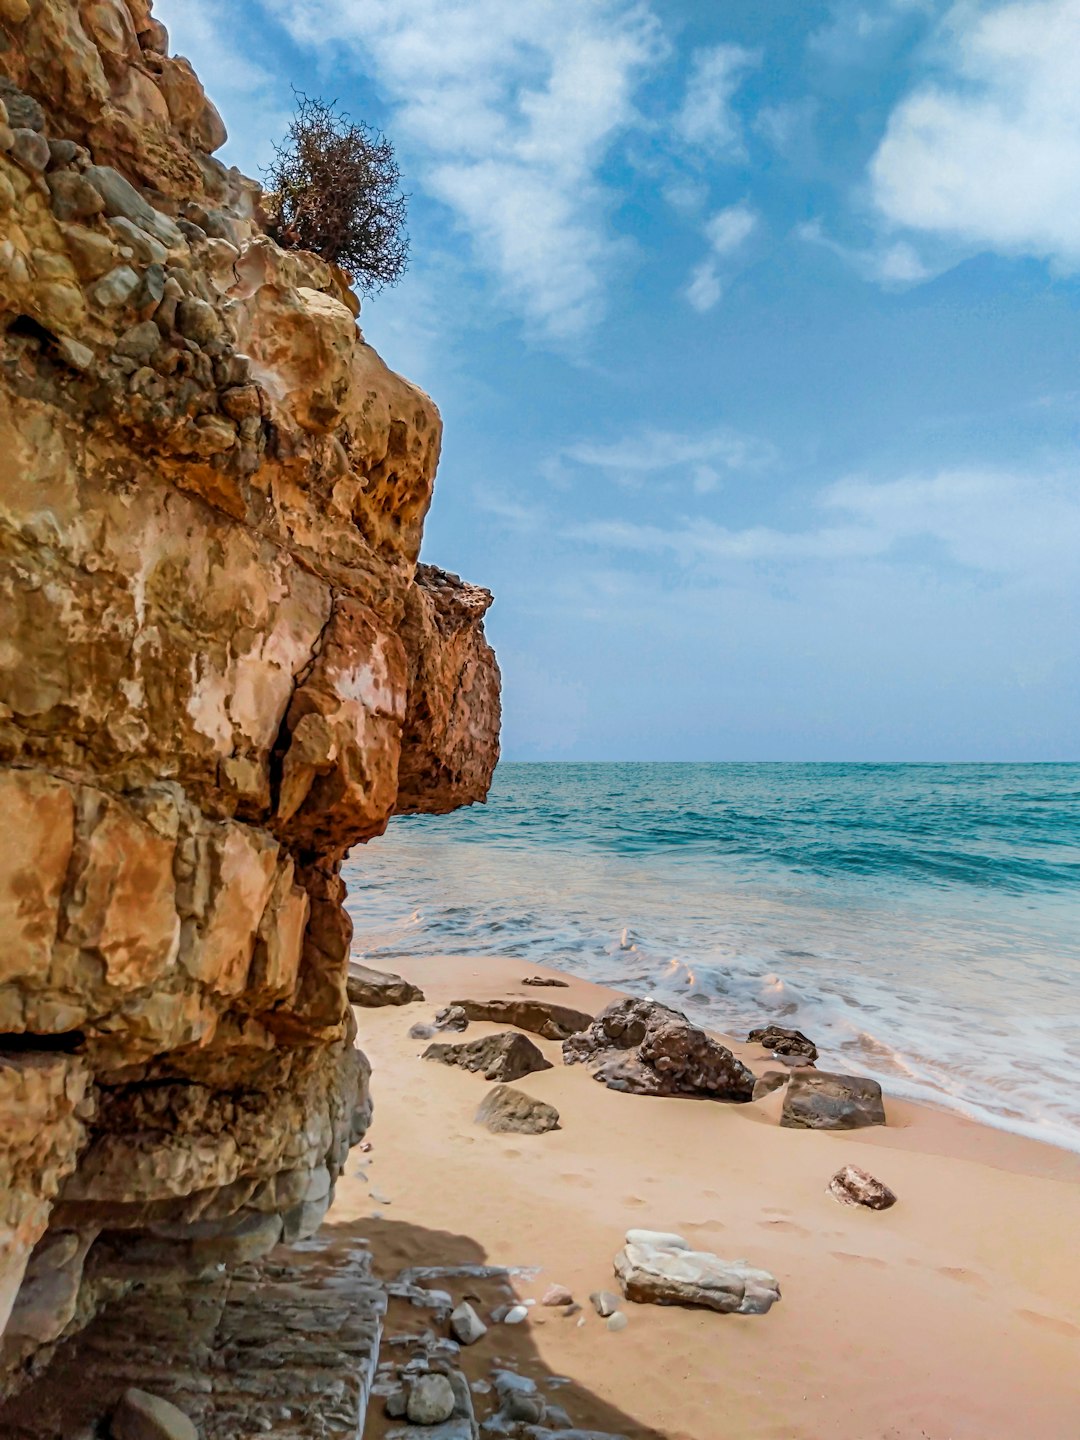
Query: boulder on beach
{"x":548,"y":980}
{"x":505,"y":1056}
{"x":852,"y":1186}
{"x":541,"y":1017}
{"x":817,"y":1100}
{"x":505,"y":1110}
{"x":644,"y":1048}
{"x":670,"y":1275}
{"x":767,"y":1083}
{"x":373,"y":988}
{"x":451,"y":1017}
{"x":789,"y":1044}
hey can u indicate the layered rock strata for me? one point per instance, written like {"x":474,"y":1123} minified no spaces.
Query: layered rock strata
{"x":221,"y":667}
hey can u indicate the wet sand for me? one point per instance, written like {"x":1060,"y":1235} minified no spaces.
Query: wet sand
{"x":952,"y":1316}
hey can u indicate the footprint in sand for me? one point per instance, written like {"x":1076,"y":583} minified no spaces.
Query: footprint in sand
{"x":858,"y":1259}
{"x":965,"y":1277}
{"x":573,"y":1177}
{"x":633,"y":1200}
{"x":1050,"y":1322}
{"x":788,"y":1226}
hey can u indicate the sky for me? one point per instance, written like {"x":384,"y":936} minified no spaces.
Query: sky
{"x":754,"y":329}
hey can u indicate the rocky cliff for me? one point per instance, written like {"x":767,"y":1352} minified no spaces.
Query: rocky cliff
{"x":220,"y":668}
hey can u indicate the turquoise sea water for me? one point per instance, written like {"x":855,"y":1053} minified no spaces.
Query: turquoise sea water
{"x":921,"y":922}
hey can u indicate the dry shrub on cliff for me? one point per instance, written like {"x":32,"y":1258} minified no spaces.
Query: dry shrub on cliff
{"x":334,"y":187}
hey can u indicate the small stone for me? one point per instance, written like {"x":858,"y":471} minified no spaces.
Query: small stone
{"x":395,"y":1403}
{"x":140,"y":342}
{"x":23,"y":111}
{"x":71,"y":197}
{"x":197,"y":320}
{"x":516,"y":1315}
{"x":452,"y":1018}
{"x":785,"y":1043}
{"x":617,"y":1321}
{"x":92,"y":253}
{"x":431,"y":1400}
{"x":767,"y":1083}
{"x":604,"y":1303}
{"x":144,"y":246}
{"x":466,"y":1325}
{"x":30,"y":150}
{"x":72,"y":353}
{"x":420,"y":1031}
{"x":852,"y":1186}
{"x":116,"y":287}
{"x":523,"y":1409}
{"x":508,"y":1111}
{"x":142,"y":1416}
{"x":557,"y":1295}
{"x":240,"y":401}
{"x":546,"y":980}
{"x":571,"y":1310}
{"x":63,"y":152}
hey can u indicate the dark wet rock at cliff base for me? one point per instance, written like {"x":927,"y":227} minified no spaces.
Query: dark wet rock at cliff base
{"x":852,"y":1186}
{"x":374,"y":988}
{"x":786,"y":1043}
{"x":659,"y":1275}
{"x":767,"y":1083}
{"x":541,"y":1017}
{"x":817,"y":1100}
{"x":644,"y":1048}
{"x":546,"y":980}
{"x":508,"y":1111}
{"x":497,"y":1057}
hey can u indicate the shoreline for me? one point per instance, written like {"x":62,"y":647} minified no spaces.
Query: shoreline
{"x":951,"y":1316}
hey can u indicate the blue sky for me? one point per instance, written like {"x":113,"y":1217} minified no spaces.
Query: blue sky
{"x":754,"y":328}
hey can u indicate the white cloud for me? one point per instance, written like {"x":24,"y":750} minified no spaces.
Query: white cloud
{"x":888,"y":262}
{"x":726,"y":231}
{"x":707,"y":118}
{"x":988,"y":156}
{"x":856,"y":34}
{"x":651,"y":452}
{"x":509,"y":111}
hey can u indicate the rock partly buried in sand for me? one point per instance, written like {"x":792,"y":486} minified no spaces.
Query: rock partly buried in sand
{"x":604,"y":1303}
{"x":542,"y":1017}
{"x":497,"y":1057}
{"x":644,"y":1048}
{"x":505,"y":1110}
{"x":557,"y":1295}
{"x":372,"y":988}
{"x":767,"y":1083}
{"x":431,"y":1400}
{"x":142,"y":1416}
{"x":790,"y":1044}
{"x":452,"y":1018}
{"x":546,"y":980}
{"x":852,"y":1186}
{"x":466,"y":1326}
{"x":664,"y":1275}
{"x":816,"y":1100}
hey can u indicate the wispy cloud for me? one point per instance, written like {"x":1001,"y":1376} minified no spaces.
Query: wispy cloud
{"x":856,"y":34}
{"x":509,"y":111}
{"x":988,"y":155}
{"x":887,"y":262}
{"x":651,"y":453}
{"x":727,"y":232}
{"x":707,"y":118}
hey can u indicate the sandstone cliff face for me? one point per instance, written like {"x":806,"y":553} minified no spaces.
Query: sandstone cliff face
{"x":220,"y":667}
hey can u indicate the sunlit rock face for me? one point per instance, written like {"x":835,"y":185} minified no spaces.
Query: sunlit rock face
{"x":220,"y":668}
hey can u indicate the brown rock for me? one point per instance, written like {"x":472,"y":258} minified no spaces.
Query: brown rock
{"x":816,"y":1100}
{"x":142,"y":1416}
{"x":644,"y":1048}
{"x":497,"y":1057}
{"x":553,"y":1022}
{"x":546,"y":980}
{"x":374,"y":988}
{"x":852,"y":1186}
{"x":785,"y":1043}
{"x":505,"y":1110}
{"x":767,"y":1083}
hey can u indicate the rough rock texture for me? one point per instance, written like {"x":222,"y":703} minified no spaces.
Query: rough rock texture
{"x":852,"y":1186}
{"x":497,"y":1057}
{"x":786,"y":1043}
{"x":506,"y":1110}
{"x":373,"y":988}
{"x":644,"y":1048}
{"x":767,"y":1083}
{"x":667,"y":1275}
{"x":816,"y":1100}
{"x":142,"y":1416}
{"x":542,"y":1017}
{"x":221,"y":668}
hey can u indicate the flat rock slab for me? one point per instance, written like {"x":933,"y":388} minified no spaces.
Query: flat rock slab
{"x":782,"y":1041}
{"x":651,"y":1275}
{"x":644,"y":1048}
{"x":374,"y":988}
{"x":541,"y":1017}
{"x":852,"y":1186}
{"x":817,"y":1100}
{"x":505,"y":1110}
{"x":497,"y":1057}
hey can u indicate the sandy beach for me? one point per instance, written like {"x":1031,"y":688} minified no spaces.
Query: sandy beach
{"x":951,"y":1316}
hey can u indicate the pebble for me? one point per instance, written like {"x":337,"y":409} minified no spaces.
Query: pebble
{"x":515,"y":1315}
{"x":144,"y":246}
{"x":604,"y":1303}
{"x":466,"y":1325}
{"x":71,"y":197}
{"x":557,"y":1295}
{"x":617,"y":1321}
{"x":23,"y":111}
{"x":197,"y":320}
{"x":431,"y":1400}
{"x":116,"y":287}
{"x":30,"y":150}
{"x":380,"y":1198}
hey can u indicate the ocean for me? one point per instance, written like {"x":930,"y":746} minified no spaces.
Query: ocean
{"x":920,"y":922}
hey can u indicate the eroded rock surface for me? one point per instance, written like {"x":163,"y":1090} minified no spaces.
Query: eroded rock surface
{"x":818,"y":1100}
{"x":854,"y":1186}
{"x":791,"y":1045}
{"x":676,"y":1275}
{"x":497,"y":1057}
{"x":508,"y":1111}
{"x":541,"y":1017}
{"x":221,"y":668}
{"x":374,"y":988}
{"x":645,"y":1048}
